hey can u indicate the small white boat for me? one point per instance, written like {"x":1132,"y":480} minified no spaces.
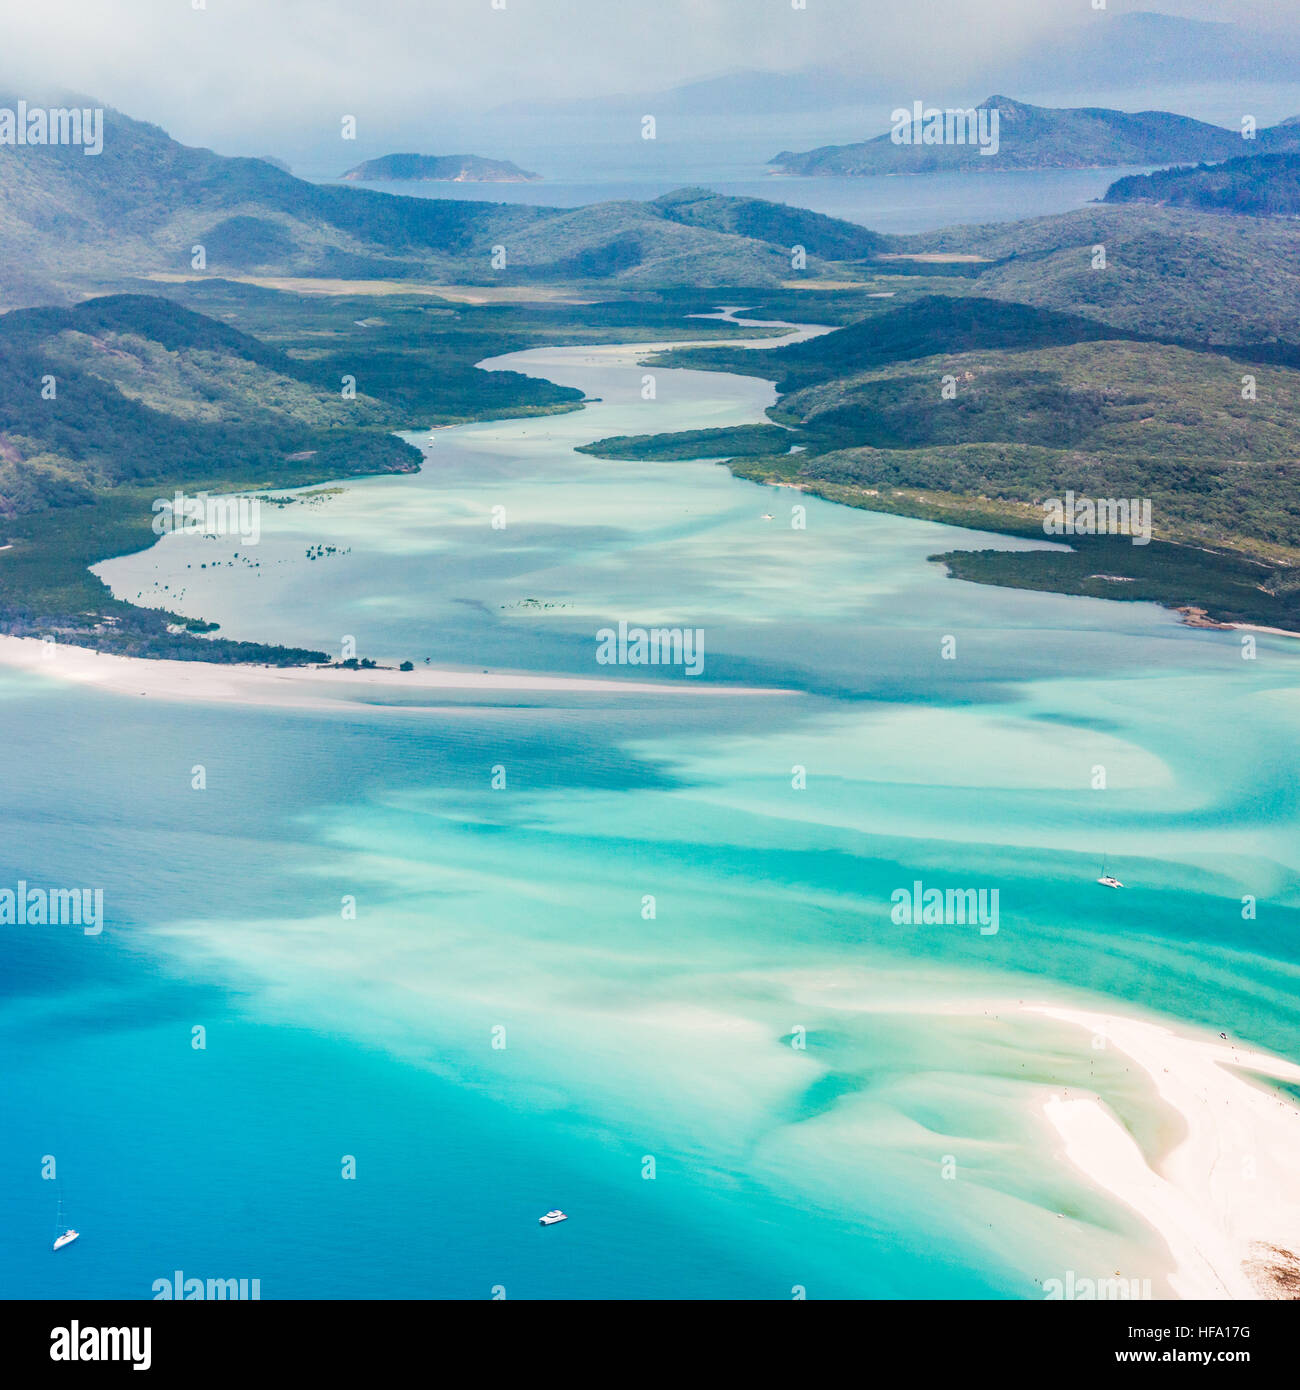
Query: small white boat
{"x":767,"y":516}
{"x":64,"y":1235}
{"x":1107,"y":879}
{"x":551,"y":1218}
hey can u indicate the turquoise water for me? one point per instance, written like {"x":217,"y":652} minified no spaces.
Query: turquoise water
{"x":627,"y":1037}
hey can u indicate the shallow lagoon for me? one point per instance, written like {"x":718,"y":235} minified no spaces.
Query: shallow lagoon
{"x":627,"y":1037}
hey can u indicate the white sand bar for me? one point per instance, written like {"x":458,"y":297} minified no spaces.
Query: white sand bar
{"x":312,"y":687}
{"x":1226,"y":1198}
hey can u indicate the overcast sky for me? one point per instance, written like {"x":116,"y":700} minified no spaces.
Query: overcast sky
{"x":243,"y":75}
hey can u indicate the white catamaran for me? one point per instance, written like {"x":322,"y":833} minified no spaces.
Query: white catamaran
{"x":1107,"y":879}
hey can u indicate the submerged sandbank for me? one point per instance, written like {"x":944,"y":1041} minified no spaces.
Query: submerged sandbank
{"x":1214,"y":1174}
{"x":314,"y":687}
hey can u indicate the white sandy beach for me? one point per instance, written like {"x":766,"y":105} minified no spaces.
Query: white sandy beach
{"x":1226,"y":1198}
{"x":1256,"y":627}
{"x":311,"y":687}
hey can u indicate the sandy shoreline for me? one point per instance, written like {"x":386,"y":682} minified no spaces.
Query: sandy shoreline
{"x":313,"y":687}
{"x":461,"y":294}
{"x":1257,"y":627}
{"x":1225,"y":1199}
{"x":1199,"y":617}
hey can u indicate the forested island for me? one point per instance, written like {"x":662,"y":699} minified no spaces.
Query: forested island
{"x":1033,"y":137}
{"x":438,"y":168}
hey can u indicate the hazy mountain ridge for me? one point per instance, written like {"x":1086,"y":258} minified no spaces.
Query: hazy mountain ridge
{"x":724,"y":94}
{"x":1039,"y":137}
{"x":1145,"y":47}
{"x":1102,"y":52}
{"x":150,"y":205}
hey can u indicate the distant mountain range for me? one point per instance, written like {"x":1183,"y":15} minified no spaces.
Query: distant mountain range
{"x":1113,"y":51}
{"x":442,"y":168}
{"x":149,"y":206}
{"x":1036,"y":137}
{"x":1266,"y":185}
{"x":1104,"y":52}
{"x":732,"y":93}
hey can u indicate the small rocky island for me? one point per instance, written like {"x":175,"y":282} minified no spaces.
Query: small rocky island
{"x":443,"y":168}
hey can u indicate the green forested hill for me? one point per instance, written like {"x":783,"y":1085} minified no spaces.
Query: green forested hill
{"x":1174,"y":273}
{"x":824,"y":238}
{"x":1118,"y":400}
{"x":1106,"y":418}
{"x":118,"y":389}
{"x":922,"y":327}
{"x":1265,"y":185}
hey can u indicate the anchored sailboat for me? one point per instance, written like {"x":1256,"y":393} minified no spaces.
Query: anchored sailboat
{"x":63,"y":1235}
{"x":1107,"y":879}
